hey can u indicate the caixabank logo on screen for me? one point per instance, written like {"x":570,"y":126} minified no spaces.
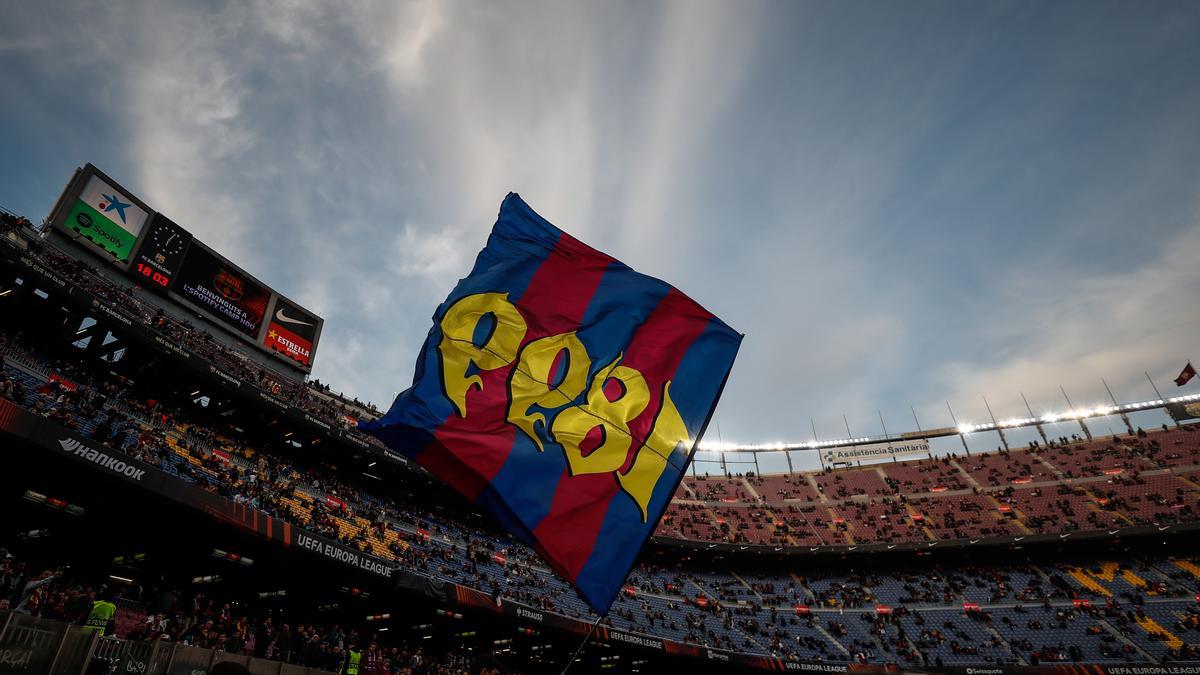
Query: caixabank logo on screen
{"x":107,"y":217}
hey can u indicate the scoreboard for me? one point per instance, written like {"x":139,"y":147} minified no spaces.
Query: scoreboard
{"x":157,"y":261}
{"x":292,"y":331}
{"x":221,"y":289}
{"x":100,"y":215}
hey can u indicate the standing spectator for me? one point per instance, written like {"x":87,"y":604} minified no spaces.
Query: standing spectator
{"x":264,"y":635}
{"x":34,"y":591}
{"x":12,"y":577}
{"x":283,"y":644}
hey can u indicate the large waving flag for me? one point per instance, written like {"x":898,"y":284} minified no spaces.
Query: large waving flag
{"x":564,"y":393}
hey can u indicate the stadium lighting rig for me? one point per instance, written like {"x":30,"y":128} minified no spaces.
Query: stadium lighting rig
{"x":54,"y":503}
{"x":1078,"y":414}
{"x":1074,"y":414}
{"x":232,"y":557}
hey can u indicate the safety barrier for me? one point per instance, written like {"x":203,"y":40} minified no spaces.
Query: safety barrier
{"x":34,"y":646}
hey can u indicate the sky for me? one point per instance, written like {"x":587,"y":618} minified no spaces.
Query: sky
{"x":899,"y":204}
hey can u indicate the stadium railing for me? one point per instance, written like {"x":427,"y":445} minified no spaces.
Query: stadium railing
{"x":35,"y":646}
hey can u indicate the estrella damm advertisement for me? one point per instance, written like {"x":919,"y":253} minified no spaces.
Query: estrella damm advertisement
{"x":563,"y":392}
{"x":107,"y":217}
{"x":292,"y":331}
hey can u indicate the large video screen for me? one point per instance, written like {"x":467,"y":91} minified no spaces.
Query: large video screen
{"x":214,"y":284}
{"x":107,"y":217}
{"x":292,"y":331}
{"x":163,"y":248}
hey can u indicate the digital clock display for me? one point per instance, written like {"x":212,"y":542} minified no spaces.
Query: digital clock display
{"x":152,"y":275}
{"x":161,"y":253}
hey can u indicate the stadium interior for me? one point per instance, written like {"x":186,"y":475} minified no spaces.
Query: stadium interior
{"x":1070,"y":551}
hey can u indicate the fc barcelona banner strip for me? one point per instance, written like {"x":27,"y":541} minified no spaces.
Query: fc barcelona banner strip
{"x":564,"y":393}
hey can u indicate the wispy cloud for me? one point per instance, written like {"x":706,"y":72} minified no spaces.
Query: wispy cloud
{"x":897,"y":205}
{"x":1074,"y":330}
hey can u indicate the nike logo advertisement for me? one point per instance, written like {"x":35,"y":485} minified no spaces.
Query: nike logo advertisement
{"x":280,"y":316}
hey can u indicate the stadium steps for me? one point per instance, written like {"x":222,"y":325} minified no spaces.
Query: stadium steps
{"x":724,"y":612}
{"x":845,"y":534}
{"x":912,"y":511}
{"x":1094,"y":507}
{"x":750,"y":489}
{"x":1044,"y":462}
{"x":748,"y":586}
{"x":836,"y":643}
{"x":812,"y":483}
{"x":753,"y":639}
{"x":1190,"y":480}
{"x":712,"y":516}
{"x":1018,"y":522}
{"x":991,"y":630}
{"x":1124,"y":639}
{"x":810,"y":598}
{"x":773,"y":518}
{"x":687,"y":488}
{"x":966,"y":474}
{"x":701,"y":589}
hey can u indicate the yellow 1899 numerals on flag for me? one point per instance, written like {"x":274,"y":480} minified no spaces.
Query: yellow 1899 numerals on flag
{"x":532,"y":397}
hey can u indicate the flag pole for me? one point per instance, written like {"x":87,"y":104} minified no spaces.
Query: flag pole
{"x":586,"y":638}
{"x":1082,"y":425}
{"x":1159,"y":395}
{"x":996,"y":425}
{"x":1117,"y":406}
{"x":817,"y":441}
{"x":961,"y":436}
{"x":1038,"y":423}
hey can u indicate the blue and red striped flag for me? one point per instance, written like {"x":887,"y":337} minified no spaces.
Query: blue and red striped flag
{"x":564,"y":393}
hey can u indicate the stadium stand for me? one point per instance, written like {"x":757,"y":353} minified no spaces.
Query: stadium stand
{"x":1127,"y":609}
{"x":196,"y":620}
{"x":748,"y":613}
